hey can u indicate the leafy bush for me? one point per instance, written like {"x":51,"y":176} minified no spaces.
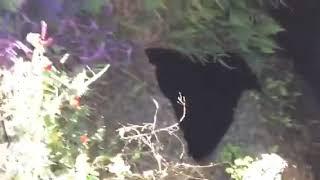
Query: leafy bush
{"x":194,"y":26}
{"x":43,"y":108}
{"x":45,"y":123}
{"x":230,"y":153}
{"x":281,"y":93}
{"x":203,"y":26}
{"x":49,"y":135}
{"x":269,"y":166}
{"x":239,"y":167}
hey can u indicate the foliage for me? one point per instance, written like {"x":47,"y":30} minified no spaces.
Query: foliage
{"x":195,"y":26}
{"x":46,"y":121}
{"x":43,"y":112}
{"x":205,"y":26}
{"x":85,"y":29}
{"x":268,"y":166}
{"x":239,"y":167}
{"x":44,"y":109}
{"x":245,"y":167}
{"x":231,"y":152}
{"x":280,"y":93}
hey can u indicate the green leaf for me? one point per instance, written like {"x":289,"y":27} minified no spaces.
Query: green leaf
{"x":268,"y":27}
{"x":242,"y":34}
{"x":266,"y":45}
{"x":151,"y":5}
{"x":92,"y":177}
{"x":239,"y":18}
{"x":229,"y":170}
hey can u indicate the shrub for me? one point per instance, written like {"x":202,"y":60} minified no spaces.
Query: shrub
{"x":44,"y":121}
{"x":203,"y":26}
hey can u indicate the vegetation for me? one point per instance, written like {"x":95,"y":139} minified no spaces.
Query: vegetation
{"x":44,"y":118}
{"x":281,"y":93}
{"x":46,"y":121}
{"x":268,"y":166}
{"x":195,"y":27}
{"x":205,"y":27}
{"x":42,"y":110}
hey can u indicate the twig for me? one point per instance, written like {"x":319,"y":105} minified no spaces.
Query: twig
{"x":169,"y":129}
{"x":96,"y":76}
{"x":197,"y":166}
{"x":155,"y":119}
{"x":155,"y":114}
{"x":64,"y":58}
{"x":181,"y":142}
{"x":6,"y":136}
{"x":173,"y":127}
{"x":182,"y":102}
{"x":146,"y":138}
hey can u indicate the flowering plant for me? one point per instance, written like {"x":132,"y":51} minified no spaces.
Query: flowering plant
{"x":43,"y":117}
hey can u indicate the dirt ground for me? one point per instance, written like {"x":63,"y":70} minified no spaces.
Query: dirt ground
{"x":124,"y":95}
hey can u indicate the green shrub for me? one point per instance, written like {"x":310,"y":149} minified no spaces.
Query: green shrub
{"x":206,"y":26}
{"x":47,"y":126}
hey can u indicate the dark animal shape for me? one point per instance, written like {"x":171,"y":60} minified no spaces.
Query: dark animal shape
{"x":301,"y":40}
{"x":212,"y":92}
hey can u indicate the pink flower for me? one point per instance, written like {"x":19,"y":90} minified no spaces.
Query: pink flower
{"x":75,"y":102}
{"x":84,"y":139}
{"x":44,"y":40}
{"x":48,"y":68}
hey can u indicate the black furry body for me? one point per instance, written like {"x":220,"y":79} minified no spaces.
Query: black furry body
{"x":212,"y":92}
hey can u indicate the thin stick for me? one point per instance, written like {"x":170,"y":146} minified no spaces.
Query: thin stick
{"x":96,"y":76}
{"x":6,"y":136}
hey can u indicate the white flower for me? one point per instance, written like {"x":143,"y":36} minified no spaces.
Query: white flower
{"x":269,"y":167}
{"x":118,"y":166}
